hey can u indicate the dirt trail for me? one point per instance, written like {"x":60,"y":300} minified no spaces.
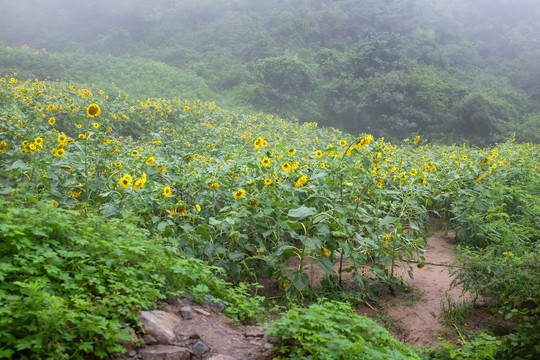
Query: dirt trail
{"x":417,"y":321}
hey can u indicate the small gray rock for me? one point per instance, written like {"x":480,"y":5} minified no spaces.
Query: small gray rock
{"x":199,"y":349}
{"x":211,"y":302}
{"x":187,"y":312}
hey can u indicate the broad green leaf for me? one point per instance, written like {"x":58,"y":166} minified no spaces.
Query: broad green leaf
{"x":300,"y":279}
{"x":388,"y":220}
{"x":302,"y":212}
{"x":326,"y":264}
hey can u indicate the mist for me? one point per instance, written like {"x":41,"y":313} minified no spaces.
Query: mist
{"x":448,"y":69}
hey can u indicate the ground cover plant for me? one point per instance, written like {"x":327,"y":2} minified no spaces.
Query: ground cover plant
{"x":256,"y":195}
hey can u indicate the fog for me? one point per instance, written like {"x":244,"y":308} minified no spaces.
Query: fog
{"x":381,"y":66}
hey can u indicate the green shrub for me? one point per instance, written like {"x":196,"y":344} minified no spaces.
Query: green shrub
{"x":69,"y":281}
{"x":332,"y":330}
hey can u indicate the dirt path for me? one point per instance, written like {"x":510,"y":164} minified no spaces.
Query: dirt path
{"x":414,"y":317}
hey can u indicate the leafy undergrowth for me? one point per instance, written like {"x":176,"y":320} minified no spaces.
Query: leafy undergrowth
{"x":334,"y":331}
{"x":69,"y":281}
{"x":138,"y":189}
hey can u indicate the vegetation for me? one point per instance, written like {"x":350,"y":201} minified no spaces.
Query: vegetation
{"x":117,"y":191}
{"x":450,"y":70}
{"x":334,"y":331}
{"x":254,"y":194}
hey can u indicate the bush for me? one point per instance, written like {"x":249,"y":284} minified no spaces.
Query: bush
{"x":69,"y":281}
{"x":332,"y":330}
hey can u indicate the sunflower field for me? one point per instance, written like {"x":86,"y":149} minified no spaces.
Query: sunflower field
{"x":265,"y":198}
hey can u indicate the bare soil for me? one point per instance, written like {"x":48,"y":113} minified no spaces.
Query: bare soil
{"x":413,"y":316}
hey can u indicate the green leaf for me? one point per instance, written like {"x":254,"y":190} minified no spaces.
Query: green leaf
{"x":312,"y":243}
{"x":387,"y":220}
{"x":295,"y":225}
{"x":300,"y":279}
{"x":302,"y":212}
{"x":326,"y":264}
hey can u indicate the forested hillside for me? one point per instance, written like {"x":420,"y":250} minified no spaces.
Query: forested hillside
{"x":449,"y":69}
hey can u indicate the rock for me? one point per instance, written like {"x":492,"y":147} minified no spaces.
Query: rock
{"x":165,"y":352}
{"x":132,"y":353}
{"x":221,"y":357}
{"x":187,"y":312}
{"x":268,"y":346}
{"x":273,"y":339}
{"x":218,"y":305}
{"x":257,"y":331}
{"x":149,"y":340}
{"x":160,"y":325}
{"x":199,"y":349}
{"x":130,"y":343}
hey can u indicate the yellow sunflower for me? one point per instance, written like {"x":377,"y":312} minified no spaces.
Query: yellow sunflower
{"x":125,"y":182}
{"x":286,"y":167}
{"x":93,"y":110}
{"x":167,"y":191}
{"x":150,"y":160}
{"x":239,"y":194}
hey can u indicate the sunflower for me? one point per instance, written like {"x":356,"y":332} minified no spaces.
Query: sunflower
{"x":54,"y":203}
{"x":265,"y":162}
{"x":239,"y":194}
{"x":258,"y":143}
{"x":52,"y":121}
{"x":62,"y":138}
{"x":96,"y":125}
{"x":186,"y":108}
{"x":291,"y":151}
{"x":342,"y":143}
{"x":167,"y":191}
{"x":213,"y":185}
{"x":413,"y":172}
{"x":93,"y":110}
{"x":286,"y":167}
{"x":38,"y":141}
{"x":267,"y":181}
{"x":134,"y":153}
{"x":198,"y":207}
{"x":150,"y":160}
{"x":301,"y":181}
{"x":318,"y":153}
{"x":60,"y":152}
{"x":324,"y":251}
{"x":3,"y":146}
{"x":125,"y":182}
{"x":138,"y":184}
{"x":416,"y":139}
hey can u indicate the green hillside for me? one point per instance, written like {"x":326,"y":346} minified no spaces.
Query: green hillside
{"x":244,"y":192}
{"x":449,"y":70}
